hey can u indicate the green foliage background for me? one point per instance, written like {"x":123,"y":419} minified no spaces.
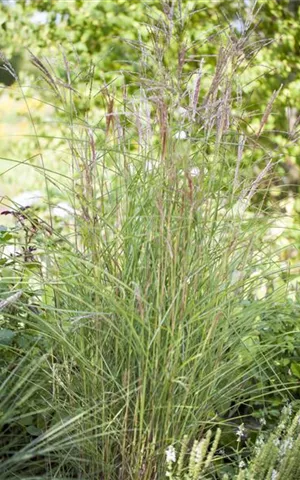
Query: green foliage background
{"x":104,"y":38}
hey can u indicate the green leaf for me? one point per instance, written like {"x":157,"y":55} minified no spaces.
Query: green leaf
{"x":7,"y":273}
{"x":295,"y":369}
{"x":5,"y":236}
{"x":26,"y":420}
{"x":34,"y":431}
{"x":6,"y":336}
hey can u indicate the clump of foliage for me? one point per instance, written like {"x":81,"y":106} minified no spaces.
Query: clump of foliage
{"x":151,"y":307}
{"x":276,"y":456}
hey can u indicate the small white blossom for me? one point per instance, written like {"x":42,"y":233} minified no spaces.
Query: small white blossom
{"x":287,"y":410}
{"x":28,"y":199}
{"x":9,"y":250}
{"x":195,"y":172}
{"x":241,"y":432}
{"x":260,"y":441}
{"x":276,"y":442}
{"x":238,"y":25}
{"x":242,"y":464}
{"x":182,"y":112}
{"x":263,"y":421}
{"x":286,"y":445}
{"x":198,"y":452}
{"x":274,"y":475}
{"x":181,"y":135}
{"x":171,"y":454}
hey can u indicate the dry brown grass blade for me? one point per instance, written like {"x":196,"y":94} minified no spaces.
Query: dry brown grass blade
{"x":248,"y":196}
{"x":268,"y":111}
{"x":221,"y":66}
{"x":45,"y":73}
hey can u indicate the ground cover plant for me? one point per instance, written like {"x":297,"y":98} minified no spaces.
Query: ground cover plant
{"x":274,"y":457}
{"x":158,"y":308}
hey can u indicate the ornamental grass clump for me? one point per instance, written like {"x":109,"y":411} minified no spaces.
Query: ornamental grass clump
{"x":146,"y":301}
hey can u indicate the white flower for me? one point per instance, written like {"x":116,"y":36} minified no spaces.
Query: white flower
{"x":171,"y":454}
{"x":27,"y":199}
{"x":263,"y":421}
{"x":9,"y":250}
{"x":181,"y":135}
{"x":198,"y":452}
{"x":242,"y":464}
{"x":259,"y":443}
{"x":182,"y":112}
{"x":241,"y":432}
{"x":274,"y":475}
{"x":276,"y":442}
{"x":195,"y":171}
{"x":287,"y":410}
{"x":238,"y":25}
{"x":287,"y":444}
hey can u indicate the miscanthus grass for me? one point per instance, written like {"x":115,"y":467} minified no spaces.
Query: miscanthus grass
{"x":148,"y":294}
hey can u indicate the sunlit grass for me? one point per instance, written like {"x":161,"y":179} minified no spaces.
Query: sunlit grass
{"x":146,"y":302}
